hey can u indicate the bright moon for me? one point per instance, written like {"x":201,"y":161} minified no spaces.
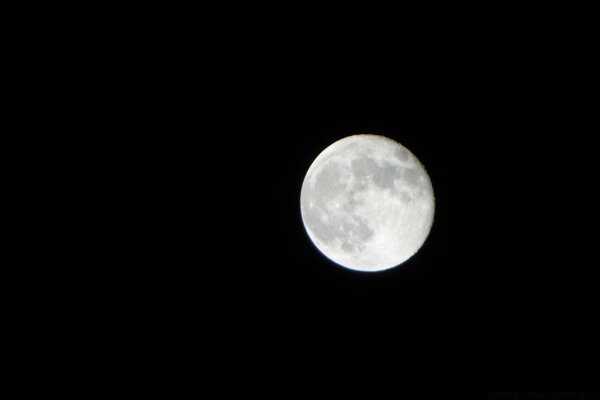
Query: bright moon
{"x":367,"y":203}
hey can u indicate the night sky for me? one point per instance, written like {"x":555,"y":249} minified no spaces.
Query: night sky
{"x":502,"y":294}
{"x":501,"y":285}
{"x":205,"y":129}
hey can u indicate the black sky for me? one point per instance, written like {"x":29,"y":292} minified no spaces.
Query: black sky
{"x":501,"y":295}
{"x":501,"y":284}
{"x":205,"y":124}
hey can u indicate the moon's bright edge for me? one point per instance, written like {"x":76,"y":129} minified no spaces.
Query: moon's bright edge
{"x":367,"y":203}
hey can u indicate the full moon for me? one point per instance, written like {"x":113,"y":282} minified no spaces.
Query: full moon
{"x":367,"y":203}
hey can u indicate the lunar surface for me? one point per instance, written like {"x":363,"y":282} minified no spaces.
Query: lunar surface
{"x":367,"y":203}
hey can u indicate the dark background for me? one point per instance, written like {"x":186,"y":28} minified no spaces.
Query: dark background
{"x":202,"y":129}
{"x":501,"y":293}
{"x":502,"y":296}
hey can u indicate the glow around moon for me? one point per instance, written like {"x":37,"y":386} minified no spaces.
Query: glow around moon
{"x":367,"y":203}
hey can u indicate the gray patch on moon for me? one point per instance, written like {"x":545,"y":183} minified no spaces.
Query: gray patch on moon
{"x":358,"y":186}
{"x":406,"y":197}
{"x":328,"y":183}
{"x":382,"y":175}
{"x":354,"y":232}
{"x":347,"y":247}
{"x":411,"y":176}
{"x":324,"y":231}
{"x":364,"y":167}
{"x":353,"y":200}
{"x":351,"y":230}
{"x":329,"y":226}
{"x":386,"y":176}
{"x":401,"y":154}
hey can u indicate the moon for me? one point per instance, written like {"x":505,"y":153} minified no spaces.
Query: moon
{"x":367,"y":203}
